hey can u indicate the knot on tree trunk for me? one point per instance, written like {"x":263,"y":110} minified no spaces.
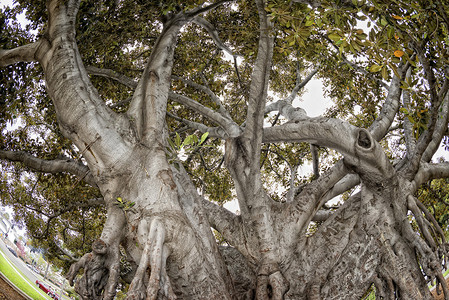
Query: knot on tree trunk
{"x":364,"y":139}
{"x":369,"y":159}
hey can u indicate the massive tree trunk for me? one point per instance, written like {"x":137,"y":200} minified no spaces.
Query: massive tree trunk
{"x":164,"y":226}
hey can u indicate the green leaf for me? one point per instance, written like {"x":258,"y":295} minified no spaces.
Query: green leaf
{"x":335,"y":37}
{"x":178,"y":140}
{"x":385,"y":73}
{"x":204,"y":137}
{"x":309,"y":23}
{"x":375,"y":68}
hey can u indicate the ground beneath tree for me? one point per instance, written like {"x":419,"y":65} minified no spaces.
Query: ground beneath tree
{"x":441,"y":296}
{"x":8,"y":293}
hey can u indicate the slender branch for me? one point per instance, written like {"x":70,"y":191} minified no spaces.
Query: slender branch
{"x":201,"y":9}
{"x":207,"y":91}
{"x":410,"y":141}
{"x":213,"y":34}
{"x":440,"y":130}
{"x":50,"y":166}
{"x":259,"y":85}
{"x":216,"y":132}
{"x":354,"y":65}
{"x":111,"y":74}
{"x":229,"y":126}
{"x":285,"y":106}
{"x":432,"y":219}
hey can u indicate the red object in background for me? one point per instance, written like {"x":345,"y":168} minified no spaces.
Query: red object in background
{"x":46,"y":290}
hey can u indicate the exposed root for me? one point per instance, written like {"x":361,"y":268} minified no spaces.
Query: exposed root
{"x":271,"y":284}
{"x":153,"y":259}
{"x":101,"y":271}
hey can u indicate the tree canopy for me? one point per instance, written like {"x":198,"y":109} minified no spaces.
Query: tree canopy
{"x":130,"y":123}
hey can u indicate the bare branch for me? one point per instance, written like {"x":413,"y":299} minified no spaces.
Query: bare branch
{"x":365,"y":72}
{"x":201,"y":9}
{"x":285,"y":106}
{"x":149,"y":104}
{"x":50,"y":166}
{"x":225,"y":222}
{"x":315,"y":160}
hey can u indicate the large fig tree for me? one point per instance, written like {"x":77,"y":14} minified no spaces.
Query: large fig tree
{"x":127,"y":124}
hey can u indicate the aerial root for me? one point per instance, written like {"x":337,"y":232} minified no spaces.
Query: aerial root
{"x":101,"y":270}
{"x":271,"y":284}
{"x":432,"y":253}
{"x":153,"y":258}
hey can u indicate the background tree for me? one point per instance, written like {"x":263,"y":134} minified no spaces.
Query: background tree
{"x":135,"y":120}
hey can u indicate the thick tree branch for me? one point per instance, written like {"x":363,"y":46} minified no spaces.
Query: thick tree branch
{"x":50,"y":166}
{"x":19,"y":54}
{"x":259,"y":85}
{"x":149,"y":103}
{"x":428,"y":171}
{"x":228,"y":224}
{"x":380,"y":126}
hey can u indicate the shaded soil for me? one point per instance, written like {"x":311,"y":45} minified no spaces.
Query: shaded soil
{"x":8,"y":293}
{"x":441,"y":296}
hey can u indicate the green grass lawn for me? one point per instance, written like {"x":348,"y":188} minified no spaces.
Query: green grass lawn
{"x":16,"y":277}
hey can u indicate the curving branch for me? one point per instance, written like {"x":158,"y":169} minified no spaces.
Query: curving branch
{"x":429,"y":171}
{"x":285,"y":107}
{"x":149,"y":103}
{"x":201,"y":9}
{"x":50,"y":166}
